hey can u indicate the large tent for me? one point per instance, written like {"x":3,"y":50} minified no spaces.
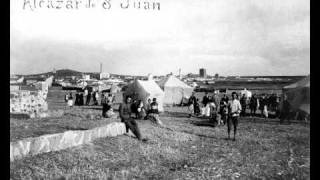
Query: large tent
{"x":298,"y":95}
{"x":175,"y":90}
{"x":143,"y":90}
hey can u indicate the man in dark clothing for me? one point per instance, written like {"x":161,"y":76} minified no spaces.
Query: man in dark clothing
{"x":243,"y":102}
{"x":105,"y":106}
{"x":88,"y":98}
{"x":196,"y":107}
{"x":125,"y":115}
{"x":81,"y":99}
{"x":284,"y":114}
{"x":134,"y":108}
{"x":205,"y":99}
{"x":225,"y":98}
{"x":77,"y":99}
{"x":253,"y":105}
{"x":193,"y":101}
{"x":262,"y":102}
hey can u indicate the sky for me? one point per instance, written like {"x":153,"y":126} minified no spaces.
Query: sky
{"x":228,"y":37}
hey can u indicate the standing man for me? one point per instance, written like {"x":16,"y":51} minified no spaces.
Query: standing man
{"x":234,"y":112}
{"x":104,"y":104}
{"x":148,"y":107}
{"x":285,"y":110}
{"x":97,"y":98}
{"x":85,"y":94}
{"x":216,"y":101}
{"x":193,"y":101}
{"x":243,"y":102}
{"x":253,"y":105}
{"x":88,"y":98}
{"x":70,"y":100}
{"x":125,"y":115}
{"x":205,"y":99}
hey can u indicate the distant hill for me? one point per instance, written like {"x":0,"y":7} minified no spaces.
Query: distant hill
{"x":59,"y":73}
{"x":67,"y":72}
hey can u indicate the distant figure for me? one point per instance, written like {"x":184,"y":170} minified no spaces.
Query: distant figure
{"x":253,"y":105}
{"x":125,"y":115}
{"x":96,"y":95}
{"x":85,"y":94}
{"x":225,"y":98}
{"x":224,"y":111}
{"x":216,"y":101}
{"x":134,"y":107}
{"x":106,"y":105}
{"x":66,"y":97}
{"x":234,"y":112}
{"x":213,"y":112}
{"x":88,"y":98}
{"x":205,"y":99}
{"x":148,"y":108}
{"x":192,"y":103}
{"x":141,"y":110}
{"x":262,"y":103}
{"x":154,"y":112}
{"x":196,"y":107}
{"x":243,"y":102}
{"x":81,"y":99}
{"x":277,"y":106}
{"x":285,"y":110}
{"x":70,"y":100}
{"x":76,"y":102}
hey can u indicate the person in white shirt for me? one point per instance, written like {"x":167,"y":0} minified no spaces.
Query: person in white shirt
{"x":234,"y":112}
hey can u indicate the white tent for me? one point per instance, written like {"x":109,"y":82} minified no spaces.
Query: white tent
{"x":247,"y":93}
{"x":174,"y":90}
{"x":49,"y":81}
{"x":114,"y":89}
{"x":143,"y":90}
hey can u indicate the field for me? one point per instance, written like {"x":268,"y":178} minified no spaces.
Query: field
{"x":184,"y":149}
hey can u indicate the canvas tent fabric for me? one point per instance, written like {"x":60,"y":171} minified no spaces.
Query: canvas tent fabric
{"x":298,"y":95}
{"x":115,"y":89}
{"x":247,"y":93}
{"x":143,"y":90}
{"x":175,"y":90}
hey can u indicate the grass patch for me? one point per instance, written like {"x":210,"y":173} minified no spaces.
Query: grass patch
{"x":262,"y":151}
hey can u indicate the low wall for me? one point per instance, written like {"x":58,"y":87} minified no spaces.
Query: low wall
{"x":56,"y":142}
{"x":28,"y":102}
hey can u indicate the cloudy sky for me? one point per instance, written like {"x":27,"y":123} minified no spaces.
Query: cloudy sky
{"x":229,"y":37}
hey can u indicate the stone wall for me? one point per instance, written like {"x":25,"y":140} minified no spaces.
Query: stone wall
{"x":31,"y":103}
{"x":56,"y":142}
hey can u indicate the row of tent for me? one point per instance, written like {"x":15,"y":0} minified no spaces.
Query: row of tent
{"x":168,"y":91}
{"x":171,"y":91}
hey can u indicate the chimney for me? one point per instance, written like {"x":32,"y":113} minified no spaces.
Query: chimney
{"x":100,"y":67}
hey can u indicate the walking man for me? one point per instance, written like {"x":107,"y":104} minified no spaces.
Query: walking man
{"x":234,"y":112}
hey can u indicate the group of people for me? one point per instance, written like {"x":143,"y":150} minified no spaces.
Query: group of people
{"x":129,"y":111}
{"x":265,"y":103}
{"x":220,"y":111}
{"x":83,"y":98}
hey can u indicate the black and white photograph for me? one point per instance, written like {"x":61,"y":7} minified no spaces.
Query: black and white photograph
{"x":160,"y":89}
